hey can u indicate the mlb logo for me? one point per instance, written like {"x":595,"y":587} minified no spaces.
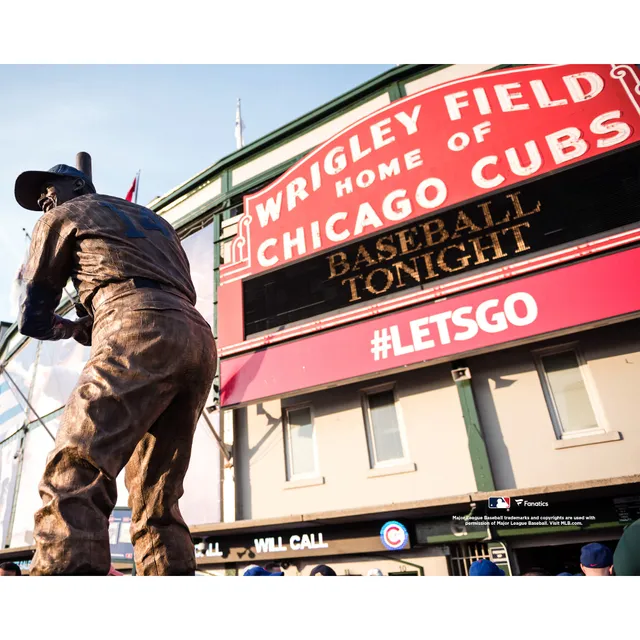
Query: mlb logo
{"x":499,"y":503}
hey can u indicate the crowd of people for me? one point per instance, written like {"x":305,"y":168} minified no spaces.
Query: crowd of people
{"x":274,"y":569}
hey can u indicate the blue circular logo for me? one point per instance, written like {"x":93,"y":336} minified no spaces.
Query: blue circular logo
{"x":394,"y":535}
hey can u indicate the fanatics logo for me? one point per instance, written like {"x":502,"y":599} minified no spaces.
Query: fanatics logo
{"x":499,"y":503}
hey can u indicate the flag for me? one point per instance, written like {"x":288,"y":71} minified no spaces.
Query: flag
{"x":239,"y":128}
{"x":132,"y":190}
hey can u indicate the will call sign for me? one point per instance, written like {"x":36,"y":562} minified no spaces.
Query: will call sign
{"x":446,"y":145}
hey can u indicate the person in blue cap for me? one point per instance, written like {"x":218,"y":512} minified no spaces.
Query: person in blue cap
{"x":596,"y":560}
{"x":259,"y":571}
{"x":485,"y":568}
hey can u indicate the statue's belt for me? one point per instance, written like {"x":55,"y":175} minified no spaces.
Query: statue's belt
{"x":113,"y":289}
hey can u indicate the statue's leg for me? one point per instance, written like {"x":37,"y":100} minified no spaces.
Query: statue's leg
{"x":154,"y":476}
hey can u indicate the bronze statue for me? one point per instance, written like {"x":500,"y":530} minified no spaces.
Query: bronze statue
{"x":139,"y":397}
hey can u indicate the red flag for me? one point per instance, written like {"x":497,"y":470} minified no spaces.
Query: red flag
{"x":132,"y":190}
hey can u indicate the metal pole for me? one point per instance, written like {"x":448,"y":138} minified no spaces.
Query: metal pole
{"x":135,"y":196}
{"x":16,"y":489}
{"x":221,"y":444}
{"x":35,"y":413}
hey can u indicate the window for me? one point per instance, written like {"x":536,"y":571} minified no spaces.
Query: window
{"x":386,"y":446}
{"x":300,"y":444}
{"x":569,"y":392}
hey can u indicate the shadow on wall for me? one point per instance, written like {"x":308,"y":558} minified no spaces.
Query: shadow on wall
{"x":247,"y":455}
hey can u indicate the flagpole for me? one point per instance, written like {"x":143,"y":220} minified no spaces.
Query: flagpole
{"x":135,"y":195}
{"x":239,"y":127}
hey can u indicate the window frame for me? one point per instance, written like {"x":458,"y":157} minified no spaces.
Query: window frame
{"x":371,"y":444}
{"x":589,"y":385}
{"x":288,"y":450}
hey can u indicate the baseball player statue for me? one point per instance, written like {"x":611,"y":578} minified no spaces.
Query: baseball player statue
{"x":139,"y":397}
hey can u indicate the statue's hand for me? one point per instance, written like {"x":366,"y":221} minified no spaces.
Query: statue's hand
{"x":81,"y":312}
{"x":82,"y":330}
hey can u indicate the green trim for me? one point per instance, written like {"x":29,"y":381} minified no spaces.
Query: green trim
{"x":450,"y":538}
{"x":396,"y":92}
{"x":440,"y":67}
{"x":528,"y":531}
{"x":226,"y":181}
{"x":477,"y":446}
{"x":434,"y":69}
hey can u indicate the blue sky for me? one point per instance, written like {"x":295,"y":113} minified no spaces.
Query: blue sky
{"x":170,"y":121}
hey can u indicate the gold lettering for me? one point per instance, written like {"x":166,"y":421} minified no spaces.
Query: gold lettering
{"x":382,"y":247}
{"x":495,"y":245}
{"x":429,"y":231}
{"x":363,"y":256}
{"x":408,"y":243}
{"x":517,"y":234}
{"x":462,"y":260}
{"x":338,"y":260}
{"x":401,"y":266}
{"x":354,"y":289}
{"x":368,"y":283}
{"x":464,"y":222}
{"x":488,"y":218}
{"x":428,"y":263}
{"x":518,"y":207}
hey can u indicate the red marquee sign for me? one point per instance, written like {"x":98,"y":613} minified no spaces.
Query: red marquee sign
{"x":445,"y":146}
{"x":435,"y":149}
{"x":571,"y":296}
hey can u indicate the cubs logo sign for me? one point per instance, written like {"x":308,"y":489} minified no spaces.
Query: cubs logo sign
{"x":394,"y":536}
